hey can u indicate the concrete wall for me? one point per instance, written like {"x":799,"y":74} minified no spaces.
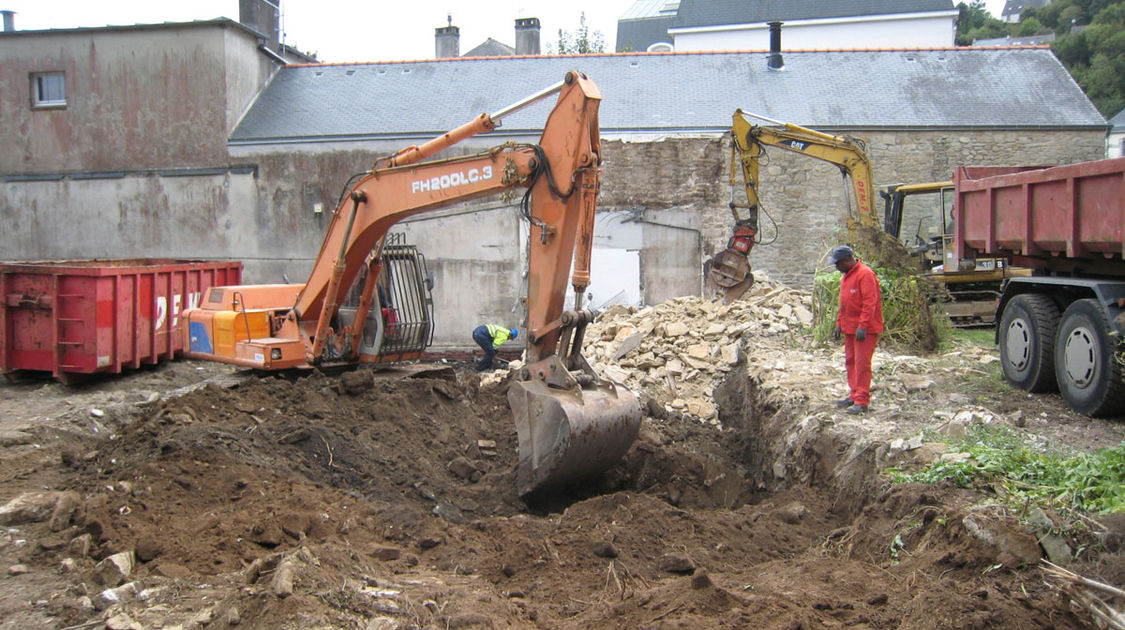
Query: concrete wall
{"x":894,"y":31}
{"x":136,"y":97}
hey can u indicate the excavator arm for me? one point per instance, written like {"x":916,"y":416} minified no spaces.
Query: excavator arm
{"x":729,"y":272}
{"x":570,"y":422}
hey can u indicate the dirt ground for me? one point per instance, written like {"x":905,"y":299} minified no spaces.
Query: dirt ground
{"x":387,"y":499}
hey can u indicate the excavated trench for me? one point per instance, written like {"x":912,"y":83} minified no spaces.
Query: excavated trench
{"x":362,"y":479}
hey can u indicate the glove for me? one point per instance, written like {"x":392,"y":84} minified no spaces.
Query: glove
{"x":860,"y":334}
{"x":836,"y":334}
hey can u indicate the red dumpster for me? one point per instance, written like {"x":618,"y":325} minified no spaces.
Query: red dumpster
{"x":85,"y":316}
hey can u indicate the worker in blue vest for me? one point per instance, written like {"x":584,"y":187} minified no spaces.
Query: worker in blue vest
{"x":490,"y":337}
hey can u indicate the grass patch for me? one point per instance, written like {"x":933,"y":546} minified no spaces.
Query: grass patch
{"x":1001,"y":462}
{"x":952,"y":338}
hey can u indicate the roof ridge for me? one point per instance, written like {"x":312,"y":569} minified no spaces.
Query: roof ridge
{"x":673,"y":53}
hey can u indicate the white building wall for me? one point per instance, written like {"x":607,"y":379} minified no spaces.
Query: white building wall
{"x":904,"y":31}
{"x":1115,"y":144}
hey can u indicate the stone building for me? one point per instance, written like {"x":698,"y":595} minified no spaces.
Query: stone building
{"x":188,"y":141}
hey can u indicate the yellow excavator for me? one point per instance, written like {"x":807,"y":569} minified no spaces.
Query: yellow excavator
{"x":728,"y":274}
{"x":973,"y":287}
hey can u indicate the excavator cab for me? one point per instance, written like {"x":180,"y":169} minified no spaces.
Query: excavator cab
{"x":400,"y":321}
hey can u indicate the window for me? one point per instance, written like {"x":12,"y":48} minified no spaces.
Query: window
{"x":48,"y":89}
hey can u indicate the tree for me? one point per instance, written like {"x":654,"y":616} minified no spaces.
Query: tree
{"x":1030,"y":26}
{"x":1095,"y":57}
{"x":582,"y":41}
{"x":975,"y":22}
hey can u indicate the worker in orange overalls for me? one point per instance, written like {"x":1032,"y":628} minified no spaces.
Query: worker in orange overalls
{"x":489,"y":337}
{"x":860,"y":320}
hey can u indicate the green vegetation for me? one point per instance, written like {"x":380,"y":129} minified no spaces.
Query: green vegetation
{"x":971,"y":336}
{"x":582,"y":41}
{"x":1023,"y":475}
{"x":1096,"y":55}
{"x":975,"y":22}
{"x":907,"y":322}
{"x":1089,"y":41}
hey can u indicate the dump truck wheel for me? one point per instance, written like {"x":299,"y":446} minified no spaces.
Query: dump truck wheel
{"x":1027,"y":337}
{"x":1086,"y":366}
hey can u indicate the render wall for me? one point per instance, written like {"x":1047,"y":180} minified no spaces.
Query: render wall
{"x":136,"y":97}
{"x":918,"y":30}
{"x":1115,"y":144}
{"x":663,"y":209}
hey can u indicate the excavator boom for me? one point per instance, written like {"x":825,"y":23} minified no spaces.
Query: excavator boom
{"x":570,"y":422}
{"x":729,"y":274}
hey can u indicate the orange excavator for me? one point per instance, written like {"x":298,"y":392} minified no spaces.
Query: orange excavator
{"x":570,"y":422}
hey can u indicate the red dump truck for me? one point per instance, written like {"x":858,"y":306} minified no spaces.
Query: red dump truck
{"x":1060,"y":328}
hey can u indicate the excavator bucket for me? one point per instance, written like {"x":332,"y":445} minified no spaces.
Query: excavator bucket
{"x":570,"y":434}
{"x":729,"y":275}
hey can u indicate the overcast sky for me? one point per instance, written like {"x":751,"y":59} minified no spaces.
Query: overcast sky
{"x":353,"y":30}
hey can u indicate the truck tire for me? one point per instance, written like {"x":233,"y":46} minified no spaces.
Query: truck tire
{"x":1086,"y":366}
{"x":1027,"y":337}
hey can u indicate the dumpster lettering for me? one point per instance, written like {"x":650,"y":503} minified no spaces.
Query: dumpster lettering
{"x":177,"y":299}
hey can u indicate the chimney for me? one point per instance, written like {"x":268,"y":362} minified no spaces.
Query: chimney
{"x":447,"y":40}
{"x":263,"y":16}
{"x":527,"y":36}
{"x":775,"y":62}
{"x":10,"y":22}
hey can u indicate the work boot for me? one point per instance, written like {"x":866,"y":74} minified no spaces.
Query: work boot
{"x":844,"y":402}
{"x":856,"y":409}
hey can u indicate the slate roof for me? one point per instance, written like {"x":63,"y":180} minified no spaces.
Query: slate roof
{"x":1118,"y":122}
{"x":677,"y":93}
{"x":640,"y":33}
{"x":491,"y":48}
{"x":1018,"y":6}
{"x":1030,"y":40}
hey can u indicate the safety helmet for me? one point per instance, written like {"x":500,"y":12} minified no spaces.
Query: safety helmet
{"x":515,"y":333}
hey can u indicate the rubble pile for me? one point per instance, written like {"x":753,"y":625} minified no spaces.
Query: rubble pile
{"x":675,"y":353}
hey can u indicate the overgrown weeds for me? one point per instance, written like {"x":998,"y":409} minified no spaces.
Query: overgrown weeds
{"x":909,"y":320}
{"x":1001,"y":461}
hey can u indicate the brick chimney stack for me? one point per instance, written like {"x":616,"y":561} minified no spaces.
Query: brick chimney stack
{"x":527,"y":36}
{"x":9,"y":20}
{"x":447,"y":40}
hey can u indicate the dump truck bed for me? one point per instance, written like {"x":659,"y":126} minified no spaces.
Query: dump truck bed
{"x":1065,"y":218}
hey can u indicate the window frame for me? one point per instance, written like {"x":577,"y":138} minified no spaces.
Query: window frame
{"x":39,"y":88}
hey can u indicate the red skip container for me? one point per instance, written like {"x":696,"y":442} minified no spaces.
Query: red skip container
{"x":79,"y":317}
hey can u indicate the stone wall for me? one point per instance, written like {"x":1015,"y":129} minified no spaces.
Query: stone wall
{"x":803,"y":199}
